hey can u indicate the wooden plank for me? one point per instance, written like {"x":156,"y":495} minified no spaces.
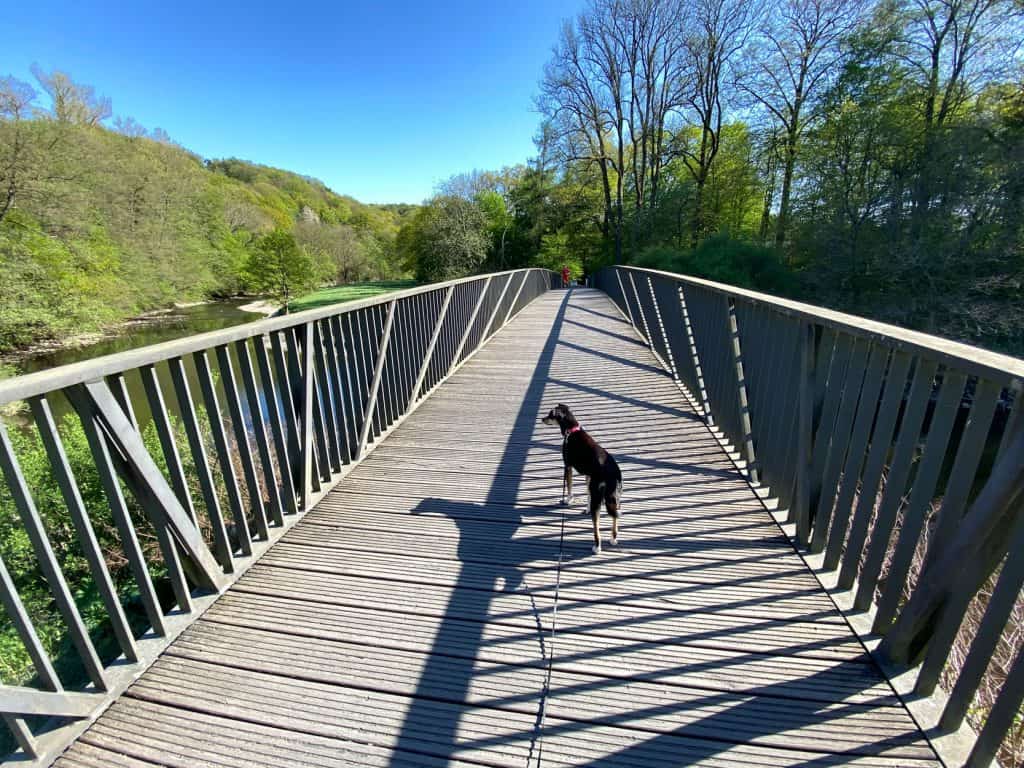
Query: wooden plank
{"x":412,"y":614}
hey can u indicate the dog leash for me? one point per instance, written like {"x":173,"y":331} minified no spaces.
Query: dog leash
{"x":542,"y":710}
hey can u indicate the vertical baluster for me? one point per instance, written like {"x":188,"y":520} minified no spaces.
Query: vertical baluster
{"x":221,"y":545}
{"x":26,"y":631}
{"x":308,"y":393}
{"x":286,"y":391}
{"x":348,"y":386}
{"x":920,"y":497}
{"x":223,"y":450}
{"x":1000,"y":718}
{"x":334,"y":374}
{"x":429,"y":354}
{"x":625,"y":301}
{"x":800,"y":509}
{"x":119,"y":387}
{"x":965,"y":467}
{"x":274,"y":395}
{"x":997,"y":613}
{"x":325,"y":413}
{"x":90,"y":545}
{"x":741,"y":395}
{"x":242,"y":442}
{"x":881,"y":440}
{"x":836,"y":445}
{"x":695,"y":359}
{"x":896,"y":481}
{"x":259,"y":428}
{"x":646,"y":329}
{"x":119,"y":512}
{"x":168,"y":443}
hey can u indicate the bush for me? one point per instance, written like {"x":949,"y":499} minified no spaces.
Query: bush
{"x":725,"y":260}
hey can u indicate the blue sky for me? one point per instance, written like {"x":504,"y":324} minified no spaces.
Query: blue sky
{"x":379,"y":100}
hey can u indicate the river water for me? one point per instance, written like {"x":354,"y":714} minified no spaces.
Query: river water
{"x":152,"y":329}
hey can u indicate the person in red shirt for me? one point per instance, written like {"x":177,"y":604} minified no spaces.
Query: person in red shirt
{"x":565,"y":277}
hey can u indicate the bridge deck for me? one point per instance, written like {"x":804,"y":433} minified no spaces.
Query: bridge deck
{"x":432,"y":610}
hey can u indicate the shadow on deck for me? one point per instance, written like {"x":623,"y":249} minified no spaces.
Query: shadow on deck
{"x":439,"y":607}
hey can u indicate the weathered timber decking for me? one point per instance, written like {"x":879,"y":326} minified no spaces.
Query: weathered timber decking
{"x":430,"y":611}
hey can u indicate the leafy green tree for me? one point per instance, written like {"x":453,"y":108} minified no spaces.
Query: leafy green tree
{"x":445,"y":239}
{"x":281,"y":269}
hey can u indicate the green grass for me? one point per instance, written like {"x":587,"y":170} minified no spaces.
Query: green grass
{"x":351,"y":292}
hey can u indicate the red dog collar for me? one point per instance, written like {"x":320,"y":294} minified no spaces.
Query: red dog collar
{"x":577,"y":428}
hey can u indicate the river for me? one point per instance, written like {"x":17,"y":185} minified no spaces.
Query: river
{"x":151,"y":329}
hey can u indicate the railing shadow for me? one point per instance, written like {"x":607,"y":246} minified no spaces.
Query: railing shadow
{"x":715,"y":699}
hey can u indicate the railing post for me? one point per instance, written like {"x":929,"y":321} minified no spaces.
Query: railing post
{"x":640,"y":309}
{"x":661,"y":329}
{"x":371,"y":403}
{"x":429,"y":354}
{"x":691,"y":341}
{"x":801,"y":511}
{"x":494,"y":313}
{"x":622,"y":292}
{"x":469,"y":326}
{"x":306,"y":443}
{"x":741,"y":394}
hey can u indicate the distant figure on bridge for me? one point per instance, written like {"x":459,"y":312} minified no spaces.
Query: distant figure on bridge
{"x":565,"y":276}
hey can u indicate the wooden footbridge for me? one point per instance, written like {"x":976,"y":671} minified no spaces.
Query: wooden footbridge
{"x":335,"y":538}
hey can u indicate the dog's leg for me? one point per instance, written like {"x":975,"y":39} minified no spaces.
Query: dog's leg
{"x":595,"y":518}
{"x":567,"y":487}
{"x":613,"y":509}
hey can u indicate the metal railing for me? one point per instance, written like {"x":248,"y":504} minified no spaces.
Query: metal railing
{"x":230,"y":438}
{"x":898,"y":456}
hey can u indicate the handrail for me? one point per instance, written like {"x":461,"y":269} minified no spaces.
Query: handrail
{"x":974,"y":359}
{"x":898,"y":458}
{"x":31,"y":384}
{"x":251,"y":426}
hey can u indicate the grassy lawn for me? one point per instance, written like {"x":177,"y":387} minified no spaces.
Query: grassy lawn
{"x":351,"y":292}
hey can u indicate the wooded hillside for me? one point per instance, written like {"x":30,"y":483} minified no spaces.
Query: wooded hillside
{"x":101,"y":221}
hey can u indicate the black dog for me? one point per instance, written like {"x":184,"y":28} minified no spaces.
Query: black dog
{"x":581,"y":452}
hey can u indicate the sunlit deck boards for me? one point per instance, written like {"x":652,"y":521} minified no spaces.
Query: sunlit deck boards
{"x":407,"y":620}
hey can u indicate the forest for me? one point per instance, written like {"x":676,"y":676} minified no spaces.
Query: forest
{"x":865,"y":155}
{"x":102,"y":219}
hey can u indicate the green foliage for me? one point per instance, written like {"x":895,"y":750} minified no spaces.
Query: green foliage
{"x":726,"y":260}
{"x":445,"y":239}
{"x":15,"y":665}
{"x":99,"y":225}
{"x":279,"y":268}
{"x":556,"y":253}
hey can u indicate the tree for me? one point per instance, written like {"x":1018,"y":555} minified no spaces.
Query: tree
{"x":280,"y":268}
{"x":447,"y":238}
{"x":71,"y":102}
{"x":798,"y":49}
{"x":16,"y":98}
{"x":719,"y":34}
